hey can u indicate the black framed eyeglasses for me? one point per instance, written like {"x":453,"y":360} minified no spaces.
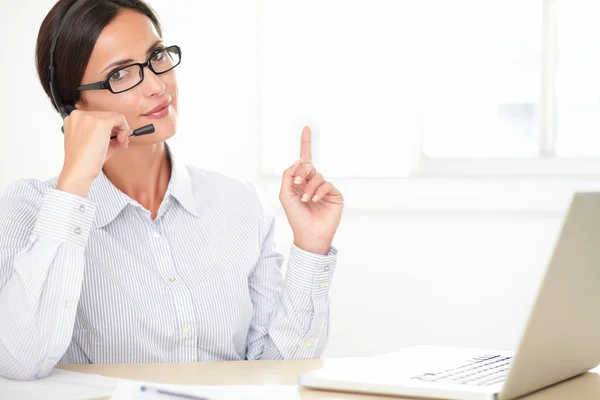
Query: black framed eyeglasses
{"x":129,"y":76}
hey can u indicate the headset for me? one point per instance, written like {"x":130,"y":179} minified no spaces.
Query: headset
{"x":65,"y":110}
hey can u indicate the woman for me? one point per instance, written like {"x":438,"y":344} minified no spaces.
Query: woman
{"x":129,"y":256}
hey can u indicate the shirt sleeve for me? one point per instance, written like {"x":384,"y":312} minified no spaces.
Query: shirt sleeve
{"x":291,"y":314}
{"x":43,"y":235}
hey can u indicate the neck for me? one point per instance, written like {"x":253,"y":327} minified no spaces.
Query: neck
{"x":142,"y":173}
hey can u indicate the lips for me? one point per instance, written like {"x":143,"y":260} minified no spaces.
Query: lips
{"x":158,"y":108}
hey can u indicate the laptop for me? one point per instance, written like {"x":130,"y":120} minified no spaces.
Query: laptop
{"x":561,"y":338}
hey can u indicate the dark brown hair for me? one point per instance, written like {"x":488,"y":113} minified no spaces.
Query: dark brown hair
{"x":77,"y":39}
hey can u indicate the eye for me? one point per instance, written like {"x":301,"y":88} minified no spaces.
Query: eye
{"x":118,"y":76}
{"x":158,"y":56}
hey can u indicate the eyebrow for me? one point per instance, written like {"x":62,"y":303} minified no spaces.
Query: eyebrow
{"x":153,"y":47}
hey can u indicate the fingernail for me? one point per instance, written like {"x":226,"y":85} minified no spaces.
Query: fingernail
{"x":305,"y":197}
{"x":316,"y":198}
{"x":298,"y":180}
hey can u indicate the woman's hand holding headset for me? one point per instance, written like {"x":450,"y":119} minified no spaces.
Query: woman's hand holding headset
{"x":88,"y":145}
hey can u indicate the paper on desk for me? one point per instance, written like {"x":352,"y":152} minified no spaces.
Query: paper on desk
{"x":59,"y":385}
{"x":130,"y":390}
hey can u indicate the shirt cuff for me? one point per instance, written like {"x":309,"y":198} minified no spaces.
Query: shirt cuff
{"x":66,"y":217}
{"x":309,"y":272}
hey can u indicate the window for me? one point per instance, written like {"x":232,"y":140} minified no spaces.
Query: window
{"x":397,"y":89}
{"x":347,"y":69}
{"x":481,"y":79}
{"x":578,"y":79}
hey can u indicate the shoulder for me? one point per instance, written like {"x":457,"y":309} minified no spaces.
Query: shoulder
{"x":20,"y":205}
{"x":26,"y":191}
{"x":235,"y":193}
{"x":218,"y":181}
{"x":236,"y":200}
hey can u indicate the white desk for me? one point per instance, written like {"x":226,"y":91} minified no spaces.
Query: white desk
{"x":585,"y":387}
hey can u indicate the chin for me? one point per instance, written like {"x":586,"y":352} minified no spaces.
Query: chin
{"x":164,"y":129}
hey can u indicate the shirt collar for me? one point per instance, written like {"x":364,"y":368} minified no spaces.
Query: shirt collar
{"x":110,"y":201}
{"x":180,"y":185}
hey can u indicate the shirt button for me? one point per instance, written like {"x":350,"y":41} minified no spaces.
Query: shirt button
{"x":324,"y":284}
{"x":172,"y":279}
{"x":82,"y":208}
{"x":186,"y":329}
{"x":67,"y":304}
{"x":308,"y":344}
{"x":326,"y":267}
{"x":77,"y":230}
{"x":156,"y":234}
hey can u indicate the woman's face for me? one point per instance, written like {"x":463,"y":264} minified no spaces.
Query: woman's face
{"x":130,"y":38}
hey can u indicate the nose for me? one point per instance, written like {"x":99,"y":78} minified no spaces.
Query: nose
{"x":153,"y":85}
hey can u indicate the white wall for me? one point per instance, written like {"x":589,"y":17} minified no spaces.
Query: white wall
{"x":403,"y":277}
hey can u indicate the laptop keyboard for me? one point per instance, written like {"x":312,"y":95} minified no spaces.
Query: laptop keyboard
{"x":480,"y":371}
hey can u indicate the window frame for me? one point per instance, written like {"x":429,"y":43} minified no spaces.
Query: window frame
{"x":541,"y":185}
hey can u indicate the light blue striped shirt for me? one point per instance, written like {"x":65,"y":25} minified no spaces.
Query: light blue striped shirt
{"x":96,"y":280}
